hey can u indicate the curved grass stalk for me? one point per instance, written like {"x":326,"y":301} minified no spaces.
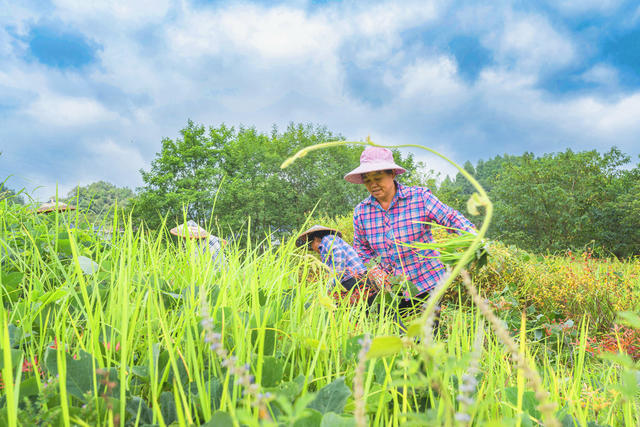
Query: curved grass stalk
{"x":478,"y":199}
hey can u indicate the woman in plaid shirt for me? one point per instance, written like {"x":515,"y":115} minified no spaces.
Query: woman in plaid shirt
{"x":395,"y":214}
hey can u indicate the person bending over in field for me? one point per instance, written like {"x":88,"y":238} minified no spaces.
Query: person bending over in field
{"x":341,"y":259}
{"x":205,"y":243}
{"x":395,"y":214}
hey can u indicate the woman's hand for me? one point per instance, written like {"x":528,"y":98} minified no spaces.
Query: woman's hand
{"x":379,"y":277}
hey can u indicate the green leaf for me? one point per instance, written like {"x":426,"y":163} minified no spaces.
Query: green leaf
{"x":80,"y":373}
{"x":29,"y":388}
{"x":353,"y":347}
{"x":291,"y":389}
{"x":332,"y":397}
{"x":219,"y":419}
{"x":168,"y":407}
{"x":272,"y":369}
{"x":312,"y":418}
{"x":87,"y":265}
{"x":139,"y":410}
{"x":16,"y":356}
{"x":529,"y":401}
{"x":331,"y":419}
{"x":384,"y":346}
{"x":15,"y":335}
{"x":474,"y":202}
{"x":11,"y":279}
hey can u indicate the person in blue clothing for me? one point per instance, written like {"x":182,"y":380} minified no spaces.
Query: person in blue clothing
{"x":337,"y":254}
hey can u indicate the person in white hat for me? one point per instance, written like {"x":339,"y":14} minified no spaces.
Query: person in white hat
{"x":394,"y":214}
{"x":206,"y":243}
{"x":54,"y":205}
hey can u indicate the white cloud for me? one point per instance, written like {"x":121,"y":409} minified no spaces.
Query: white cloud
{"x":432,"y":80}
{"x":63,"y":111}
{"x":601,"y":74}
{"x":278,"y":33}
{"x":534,"y":44}
{"x":258,"y":65}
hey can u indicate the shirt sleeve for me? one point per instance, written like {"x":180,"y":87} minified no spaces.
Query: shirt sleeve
{"x":360,"y":243}
{"x":445,"y":215}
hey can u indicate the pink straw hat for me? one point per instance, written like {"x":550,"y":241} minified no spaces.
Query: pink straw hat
{"x":373,"y":159}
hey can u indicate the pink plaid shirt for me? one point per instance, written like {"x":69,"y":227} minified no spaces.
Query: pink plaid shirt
{"x":377,"y":232}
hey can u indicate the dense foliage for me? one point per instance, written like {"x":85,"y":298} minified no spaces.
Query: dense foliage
{"x":559,"y":201}
{"x":98,"y":199}
{"x":239,"y":172}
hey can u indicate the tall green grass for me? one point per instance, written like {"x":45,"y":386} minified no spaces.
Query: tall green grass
{"x":125,"y":345}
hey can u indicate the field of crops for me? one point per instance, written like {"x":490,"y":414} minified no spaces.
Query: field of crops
{"x":133,"y":329}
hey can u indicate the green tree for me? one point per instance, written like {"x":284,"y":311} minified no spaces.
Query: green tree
{"x":10,"y":195}
{"x":97,"y":199}
{"x":568,"y":200}
{"x":240,"y":171}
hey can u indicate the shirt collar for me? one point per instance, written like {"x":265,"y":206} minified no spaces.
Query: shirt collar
{"x":401,"y":193}
{"x":323,"y":242}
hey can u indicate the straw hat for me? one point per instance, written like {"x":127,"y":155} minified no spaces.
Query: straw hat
{"x":303,"y":238}
{"x":374,"y":159}
{"x":190,"y":230}
{"x":52,"y":205}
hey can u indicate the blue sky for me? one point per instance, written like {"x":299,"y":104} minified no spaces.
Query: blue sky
{"x":89,"y":89}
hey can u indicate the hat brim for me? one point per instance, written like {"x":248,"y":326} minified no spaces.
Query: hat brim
{"x":47,"y":209}
{"x":200,"y":234}
{"x":355,"y":176}
{"x":303,"y":238}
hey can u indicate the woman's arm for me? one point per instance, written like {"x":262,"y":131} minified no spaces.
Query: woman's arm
{"x":442,"y":214}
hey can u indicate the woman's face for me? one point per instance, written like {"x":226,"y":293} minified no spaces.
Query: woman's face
{"x":315,"y":244}
{"x":380,"y":184}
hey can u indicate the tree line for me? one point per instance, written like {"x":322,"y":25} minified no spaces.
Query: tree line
{"x":231,"y":179}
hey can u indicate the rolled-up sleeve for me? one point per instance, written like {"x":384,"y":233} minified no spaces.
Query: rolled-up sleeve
{"x":445,"y":215}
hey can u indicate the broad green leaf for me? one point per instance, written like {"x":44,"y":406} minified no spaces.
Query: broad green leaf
{"x":331,"y":419}
{"x":29,"y":388}
{"x":312,"y":418}
{"x":139,"y":410}
{"x":168,"y":407}
{"x":87,"y":265}
{"x":11,"y":279}
{"x":529,"y":401}
{"x":332,"y":397}
{"x":384,"y":346}
{"x":15,"y":335}
{"x":219,"y":419}
{"x":272,"y":369}
{"x":16,"y":356}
